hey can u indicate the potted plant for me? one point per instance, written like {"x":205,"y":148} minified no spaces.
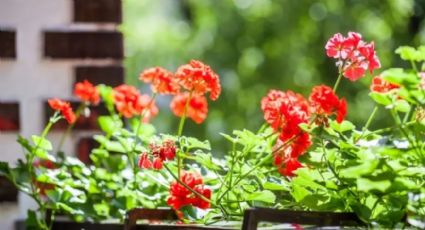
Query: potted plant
{"x":306,"y":157}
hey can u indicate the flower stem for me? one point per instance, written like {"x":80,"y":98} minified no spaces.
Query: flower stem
{"x":69,"y":128}
{"x":337,"y":81}
{"x":369,"y":121}
{"x":180,"y":131}
{"x":263,"y":161}
{"x":30,"y":168}
{"x":132,"y":156}
{"x":183,"y":118}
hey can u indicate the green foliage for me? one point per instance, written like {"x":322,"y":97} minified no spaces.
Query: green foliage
{"x":259,"y":45}
{"x":377,"y":173}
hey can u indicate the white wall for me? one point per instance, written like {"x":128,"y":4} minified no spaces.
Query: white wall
{"x":30,"y":79}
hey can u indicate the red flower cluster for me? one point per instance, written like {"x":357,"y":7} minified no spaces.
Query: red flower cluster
{"x":379,"y":85}
{"x":45,"y":164}
{"x":160,"y":153}
{"x":65,"y":109}
{"x":197,"y":108}
{"x":87,"y":92}
{"x":354,"y":55}
{"x":199,"y":78}
{"x":129,"y":102}
{"x":285,"y":111}
{"x":195,"y":79}
{"x":162,"y":80}
{"x":284,"y":160}
{"x":324,"y":102}
{"x":180,"y":196}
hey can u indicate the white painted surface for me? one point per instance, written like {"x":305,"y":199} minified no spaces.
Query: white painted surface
{"x":30,"y":79}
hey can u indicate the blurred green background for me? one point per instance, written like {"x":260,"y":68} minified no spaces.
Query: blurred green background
{"x":257,"y":45}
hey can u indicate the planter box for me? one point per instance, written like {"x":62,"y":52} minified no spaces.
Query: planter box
{"x":252,"y":218}
{"x":71,"y":225}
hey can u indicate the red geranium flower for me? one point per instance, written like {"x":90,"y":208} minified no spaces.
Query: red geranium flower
{"x":48,"y":164}
{"x":180,"y":196}
{"x":197,"y":108}
{"x":149,"y":108}
{"x":144,"y":161}
{"x":64,"y":107}
{"x":285,"y":110}
{"x":129,"y":102}
{"x":288,"y":166}
{"x":324,"y":102}
{"x":162,"y":80}
{"x":286,"y":154}
{"x":379,"y":85}
{"x":159,"y":153}
{"x":354,"y":55}
{"x":199,"y":78}
{"x":87,"y":92}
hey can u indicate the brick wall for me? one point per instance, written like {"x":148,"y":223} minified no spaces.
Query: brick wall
{"x":45,"y":47}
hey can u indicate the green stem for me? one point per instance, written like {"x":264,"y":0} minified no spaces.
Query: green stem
{"x":379,"y":131}
{"x":231,"y":166}
{"x":31,"y":172}
{"x":335,"y":174}
{"x":337,"y":81}
{"x":263,"y":161}
{"x":180,"y":131}
{"x":131,"y":154}
{"x":414,"y":66}
{"x":183,"y":118}
{"x":369,"y":121}
{"x":71,"y":126}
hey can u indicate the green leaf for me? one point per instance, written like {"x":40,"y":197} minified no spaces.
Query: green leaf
{"x":24,"y":143}
{"x":366,"y":185}
{"x":380,"y":98}
{"x":408,"y":53}
{"x":44,"y":155}
{"x":206,"y":160}
{"x":264,"y":196}
{"x":194,"y":143}
{"x":400,"y":77}
{"x":54,"y":195}
{"x":68,"y":209}
{"x":343,"y":126}
{"x":32,"y":223}
{"x":299,"y":192}
{"x":112,"y":146}
{"x":402,"y":106}
{"x":145,"y":130}
{"x":106,"y":92}
{"x":42,"y":143}
{"x":108,"y":124}
{"x":101,"y":209}
{"x":274,"y":186}
{"x":97,"y":155}
{"x":355,"y":171}
{"x":228,"y":137}
{"x":190,"y":212}
{"x":4,"y":169}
